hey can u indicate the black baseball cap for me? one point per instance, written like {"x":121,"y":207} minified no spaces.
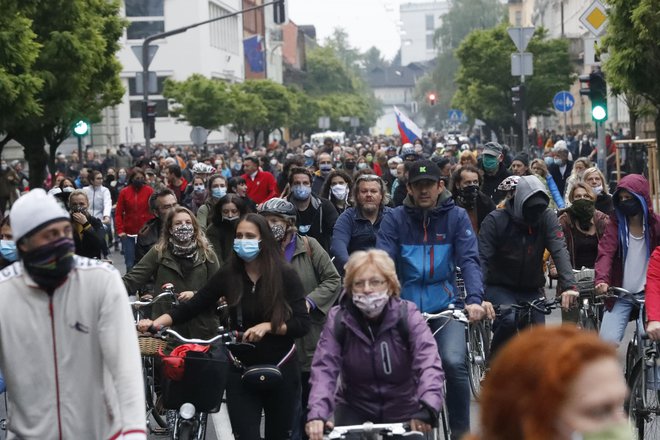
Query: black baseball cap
{"x":423,"y":170}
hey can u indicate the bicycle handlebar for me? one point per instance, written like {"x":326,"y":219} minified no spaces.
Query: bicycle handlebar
{"x":153,"y":300}
{"x":393,"y":428}
{"x":541,"y":305}
{"x":458,"y":315}
{"x":233,"y":336}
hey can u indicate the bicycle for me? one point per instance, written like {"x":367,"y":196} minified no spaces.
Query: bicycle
{"x":524,"y":310}
{"x":199,"y":390}
{"x":642,"y":355}
{"x":149,"y":348}
{"x":372,"y":431}
{"x":478,"y":343}
{"x":590,"y":307}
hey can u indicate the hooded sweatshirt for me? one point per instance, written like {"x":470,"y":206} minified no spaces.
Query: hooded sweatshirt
{"x":511,"y":250}
{"x":613,"y":247}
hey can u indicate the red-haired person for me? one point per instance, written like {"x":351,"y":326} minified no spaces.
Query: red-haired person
{"x":568,"y":385}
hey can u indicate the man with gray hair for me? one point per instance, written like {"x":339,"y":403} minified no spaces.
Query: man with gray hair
{"x":562,"y":167}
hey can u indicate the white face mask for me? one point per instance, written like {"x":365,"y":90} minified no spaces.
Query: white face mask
{"x":371,"y":305}
{"x":597,"y":189}
{"x":340,"y":191}
{"x":393,"y":172}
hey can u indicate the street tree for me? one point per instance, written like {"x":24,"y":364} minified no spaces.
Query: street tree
{"x":76,"y":61}
{"x":277,"y":100}
{"x":326,"y":73}
{"x":632,"y":41}
{"x":248,"y":114}
{"x":19,"y":84}
{"x":200,"y":101}
{"x":372,"y":59}
{"x":484,"y":80}
{"x":339,"y":44}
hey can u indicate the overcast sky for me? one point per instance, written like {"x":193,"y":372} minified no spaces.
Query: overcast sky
{"x":368,"y":22}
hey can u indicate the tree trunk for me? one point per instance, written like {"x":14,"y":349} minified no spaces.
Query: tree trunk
{"x":34,"y":149}
{"x":633,"y":124}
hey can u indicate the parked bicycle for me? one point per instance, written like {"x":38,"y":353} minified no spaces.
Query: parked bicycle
{"x":643,"y":404}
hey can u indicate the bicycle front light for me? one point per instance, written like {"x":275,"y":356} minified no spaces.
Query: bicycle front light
{"x":187,"y":411}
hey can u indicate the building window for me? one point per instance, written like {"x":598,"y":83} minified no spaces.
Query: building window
{"x":135,"y":99}
{"x":147,"y":17}
{"x":224,"y":33}
{"x":430,"y":25}
{"x":430,"y":45}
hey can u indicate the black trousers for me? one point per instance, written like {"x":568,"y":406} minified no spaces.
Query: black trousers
{"x":245,"y":405}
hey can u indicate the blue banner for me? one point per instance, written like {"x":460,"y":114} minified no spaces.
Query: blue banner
{"x":254,"y":53}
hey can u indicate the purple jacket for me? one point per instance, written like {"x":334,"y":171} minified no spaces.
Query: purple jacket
{"x":386,"y":377}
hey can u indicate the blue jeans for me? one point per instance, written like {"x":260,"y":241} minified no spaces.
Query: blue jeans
{"x":128,"y":246}
{"x":452,"y":347}
{"x":615,"y":321}
{"x":505,"y":326}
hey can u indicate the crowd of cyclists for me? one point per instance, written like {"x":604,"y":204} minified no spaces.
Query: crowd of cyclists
{"x":327,"y":255}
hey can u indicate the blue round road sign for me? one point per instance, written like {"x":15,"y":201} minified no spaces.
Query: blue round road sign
{"x":563,"y":101}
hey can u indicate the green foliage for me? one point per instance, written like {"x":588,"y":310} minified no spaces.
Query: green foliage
{"x":326,"y":73}
{"x":463,"y":17}
{"x":76,"y":42}
{"x":248,"y":112}
{"x":484,"y":80}
{"x":201,"y":101}
{"x":275,"y":97}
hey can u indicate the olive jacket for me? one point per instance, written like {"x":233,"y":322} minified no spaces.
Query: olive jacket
{"x":169,"y":269}
{"x":322,"y":285}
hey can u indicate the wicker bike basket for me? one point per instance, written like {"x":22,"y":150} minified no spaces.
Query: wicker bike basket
{"x":149,"y":346}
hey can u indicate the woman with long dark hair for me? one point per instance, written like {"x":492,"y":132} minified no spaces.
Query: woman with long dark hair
{"x":337,"y":188}
{"x":267,"y":302}
{"x":222,"y":226}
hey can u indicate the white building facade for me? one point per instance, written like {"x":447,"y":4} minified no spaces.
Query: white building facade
{"x":214,"y":50}
{"x":418,"y":24}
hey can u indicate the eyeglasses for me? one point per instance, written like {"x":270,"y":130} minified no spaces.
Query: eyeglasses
{"x":376,"y":283}
{"x":367,"y":178}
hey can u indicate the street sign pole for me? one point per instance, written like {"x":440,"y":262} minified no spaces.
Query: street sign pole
{"x":601,"y":158}
{"x":521,"y":37}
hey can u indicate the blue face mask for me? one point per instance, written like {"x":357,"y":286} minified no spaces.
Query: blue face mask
{"x":548,"y":160}
{"x":309,"y":162}
{"x":247,"y":249}
{"x":8,"y":250}
{"x":301,"y":192}
{"x":559,"y":162}
{"x":219,"y":192}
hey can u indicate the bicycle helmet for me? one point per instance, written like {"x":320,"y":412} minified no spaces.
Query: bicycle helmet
{"x":509,"y":183}
{"x":280,"y":207}
{"x":465,"y":147}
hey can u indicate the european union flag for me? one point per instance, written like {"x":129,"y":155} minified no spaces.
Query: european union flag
{"x":254,"y":53}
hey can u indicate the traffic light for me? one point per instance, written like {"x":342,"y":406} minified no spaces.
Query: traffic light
{"x":585,"y":86}
{"x":432,"y":98}
{"x":598,"y":95}
{"x":149,"y":116}
{"x":279,"y":13}
{"x":80,"y":128}
{"x":518,"y":100}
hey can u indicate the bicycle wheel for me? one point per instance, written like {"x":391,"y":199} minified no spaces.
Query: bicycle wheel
{"x":587,"y":322}
{"x":151,"y":394}
{"x":185,"y":431}
{"x":643,"y":404}
{"x":477,"y":357}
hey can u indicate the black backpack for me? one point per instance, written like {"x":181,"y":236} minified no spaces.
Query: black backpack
{"x":339,"y":329}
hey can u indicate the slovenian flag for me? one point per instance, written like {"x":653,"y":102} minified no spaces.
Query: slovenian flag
{"x":408,"y":129}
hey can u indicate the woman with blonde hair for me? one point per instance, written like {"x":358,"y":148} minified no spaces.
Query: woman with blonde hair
{"x":467,"y":157}
{"x":579,"y":166}
{"x":554,"y":383}
{"x":595,"y":179}
{"x":540,"y":169}
{"x":182,"y":256}
{"x":371,"y":335}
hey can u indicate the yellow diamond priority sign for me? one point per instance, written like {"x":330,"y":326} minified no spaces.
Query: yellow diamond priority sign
{"x":594,"y":18}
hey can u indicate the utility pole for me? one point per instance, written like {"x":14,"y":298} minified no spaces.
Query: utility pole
{"x":279,"y":13}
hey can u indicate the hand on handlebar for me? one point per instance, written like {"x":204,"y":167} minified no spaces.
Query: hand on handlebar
{"x":256,"y":333}
{"x":420,"y":426}
{"x":490,"y":310}
{"x":653,"y":330}
{"x":315,"y":428}
{"x":569,"y":299}
{"x":144,"y":325}
{"x":601,"y":288}
{"x":185,"y":296}
{"x":475,"y":312}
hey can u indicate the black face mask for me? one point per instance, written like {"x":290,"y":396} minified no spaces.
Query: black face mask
{"x":467,"y":196}
{"x":533,"y":215}
{"x":630,"y":207}
{"x":49,"y":265}
{"x":138,"y":184}
{"x":349,"y":165}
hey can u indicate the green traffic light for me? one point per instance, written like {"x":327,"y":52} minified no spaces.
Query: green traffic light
{"x":599,"y":113}
{"x":80,"y":128}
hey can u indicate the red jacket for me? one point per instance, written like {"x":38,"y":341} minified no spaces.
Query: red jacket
{"x":262,"y":188}
{"x":653,"y":287}
{"x":609,"y":263}
{"x":132,"y":210}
